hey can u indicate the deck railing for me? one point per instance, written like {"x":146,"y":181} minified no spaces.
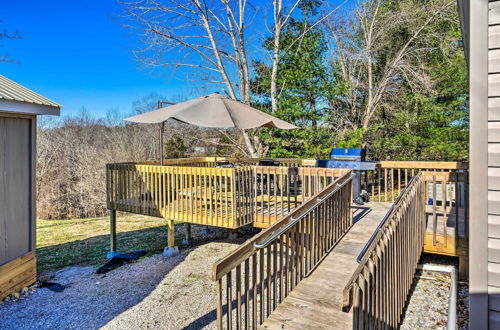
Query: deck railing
{"x":389,"y":178}
{"x":446,"y":197}
{"x":192,"y":191}
{"x":254,"y":279}
{"x":447,"y":211}
{"x":378,"y":289}
{"x":214,"y":161}
{"x":278,"y":190}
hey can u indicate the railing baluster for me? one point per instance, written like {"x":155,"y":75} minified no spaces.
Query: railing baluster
{"x":377,"y":290}
{"x":229,"y":291}
{"x":238,"y":297}
{"x":261,"y":285}
{"x":247,"y":293}
{"x":254,"y":291}
{"x":434,"y":209}
{"x":275,"y":273}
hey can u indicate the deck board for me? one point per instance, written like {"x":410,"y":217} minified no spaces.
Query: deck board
{"x":317,"y":301}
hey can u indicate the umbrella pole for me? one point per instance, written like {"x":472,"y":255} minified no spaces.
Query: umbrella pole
{"x":160,"y":144}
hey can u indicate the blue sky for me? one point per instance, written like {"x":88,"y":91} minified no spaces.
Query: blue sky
{"x":75,"y":53}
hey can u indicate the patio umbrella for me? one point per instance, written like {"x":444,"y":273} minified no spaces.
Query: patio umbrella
{"x":213,"y":110}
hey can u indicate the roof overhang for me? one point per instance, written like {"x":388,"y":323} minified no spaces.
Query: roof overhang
{"x":28,"y":108}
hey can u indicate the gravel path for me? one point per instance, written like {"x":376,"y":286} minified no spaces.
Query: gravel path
{"x":152,"y":293}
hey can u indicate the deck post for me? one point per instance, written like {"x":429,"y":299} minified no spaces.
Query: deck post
{"x":171,"y":233}
{"x":463,"y":266}
{"x":170,"y":250}
{"x":187,"y":238}
{"x":112,"y":235}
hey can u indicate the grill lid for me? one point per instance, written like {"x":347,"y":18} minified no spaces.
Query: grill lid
{"x":348,"y":154}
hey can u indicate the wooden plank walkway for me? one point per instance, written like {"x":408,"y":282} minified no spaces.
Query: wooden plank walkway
{"x":316,"y":303}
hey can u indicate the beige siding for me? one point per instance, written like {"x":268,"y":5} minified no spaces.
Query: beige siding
{"x":494,"y":17}
{"x":494,"y":297}
{"x":494,"y":61}
{"x":494,"y":108}
{"x":494,"y":253}
{"x":494,"y":178}
{"x":494,"y":225}
{"x":494,"y":322}
{"x":494,"y":165}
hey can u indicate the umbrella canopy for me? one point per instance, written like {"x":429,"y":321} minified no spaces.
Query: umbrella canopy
{"x":213,"y":110}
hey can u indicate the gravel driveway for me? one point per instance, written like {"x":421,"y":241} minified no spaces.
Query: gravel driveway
{"x":152,"y":293}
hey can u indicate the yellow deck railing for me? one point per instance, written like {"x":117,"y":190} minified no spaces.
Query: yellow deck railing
{"x":389,"y":177}
{"x":196,"y":191}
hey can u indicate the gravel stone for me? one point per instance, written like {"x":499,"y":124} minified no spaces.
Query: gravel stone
{"x":154,"y":292}
{"x":427,"y":306}
{"x":463,"y":306}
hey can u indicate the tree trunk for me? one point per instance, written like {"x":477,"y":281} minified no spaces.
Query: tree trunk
{"x":249,"y":144}
{"x":276,"y":50}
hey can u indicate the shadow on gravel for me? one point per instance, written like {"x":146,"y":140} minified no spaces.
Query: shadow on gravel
{"x":203,"y":321}
{"x":91,"y":300}
{"x":92,"y":251}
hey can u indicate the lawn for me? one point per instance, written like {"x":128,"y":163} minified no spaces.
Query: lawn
{"x":62,"y":243}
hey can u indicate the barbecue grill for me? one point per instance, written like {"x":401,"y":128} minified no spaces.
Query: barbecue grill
{"x":353,"y":159}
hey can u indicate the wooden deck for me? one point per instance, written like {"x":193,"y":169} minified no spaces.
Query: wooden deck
{"x":316,"y":303}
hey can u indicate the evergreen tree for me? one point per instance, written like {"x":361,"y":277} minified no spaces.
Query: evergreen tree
{"x":306,"y":85}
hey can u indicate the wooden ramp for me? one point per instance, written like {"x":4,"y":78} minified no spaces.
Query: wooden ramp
{"x":316,"y":303}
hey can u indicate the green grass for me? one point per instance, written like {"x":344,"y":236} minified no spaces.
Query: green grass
{"x":62,"y":243}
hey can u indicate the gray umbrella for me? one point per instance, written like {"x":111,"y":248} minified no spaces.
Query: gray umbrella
{"x":213,"y":110}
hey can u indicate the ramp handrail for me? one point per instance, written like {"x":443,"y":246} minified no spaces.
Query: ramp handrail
{"x":262,"y":272}
{"x":379,"y":287}
{"x":300,"y":217}
{"x":384,"y":220}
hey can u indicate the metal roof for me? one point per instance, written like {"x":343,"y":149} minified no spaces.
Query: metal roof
{"x":12,"y":91}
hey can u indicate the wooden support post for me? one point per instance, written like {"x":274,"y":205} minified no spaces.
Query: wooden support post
{"x":112,"y":233}
{"x":463,"y":266}
{"x":187,"y":227}
{"x":171,"y":233}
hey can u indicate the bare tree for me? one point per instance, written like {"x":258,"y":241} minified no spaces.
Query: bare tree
{"x":195,"y":34}
{"x":72,"y":154}
{"x":209,"y":36}
{"x":8,"y":35}
{"x":281,"y":16}
{"x":371,"y":64}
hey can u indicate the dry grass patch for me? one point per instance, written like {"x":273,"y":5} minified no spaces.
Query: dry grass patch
{"x":62,"y":243}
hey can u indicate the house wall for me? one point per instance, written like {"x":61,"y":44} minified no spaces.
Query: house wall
{"x":17,"y":202}
{"x":493,"y":276}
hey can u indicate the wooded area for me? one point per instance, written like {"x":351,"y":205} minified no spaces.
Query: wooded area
{"x":72,"y":157}
{"x":388,"y":76}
